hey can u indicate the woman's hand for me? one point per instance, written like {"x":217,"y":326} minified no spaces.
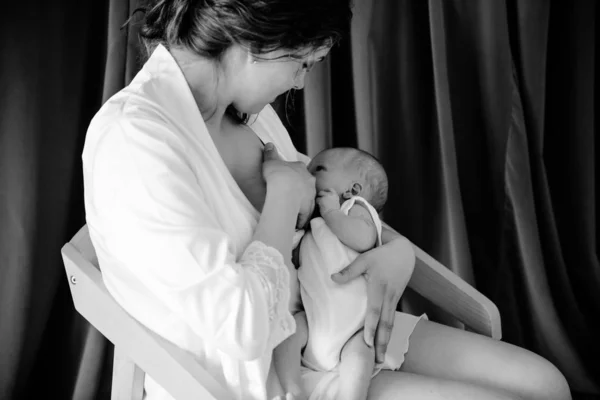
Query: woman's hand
{"x":387,"y":269}
{"x":291,"y":175}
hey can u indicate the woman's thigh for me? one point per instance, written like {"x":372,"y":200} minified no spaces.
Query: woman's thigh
{"x":447,"y":353}
{"x":395,"y":385}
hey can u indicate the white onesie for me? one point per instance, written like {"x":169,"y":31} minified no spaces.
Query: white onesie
{"x":334,"y":311}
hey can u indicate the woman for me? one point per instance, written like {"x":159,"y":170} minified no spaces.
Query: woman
{"x":193,"y":225}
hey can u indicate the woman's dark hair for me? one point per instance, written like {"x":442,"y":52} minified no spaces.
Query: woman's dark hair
{"x":210,"y":27}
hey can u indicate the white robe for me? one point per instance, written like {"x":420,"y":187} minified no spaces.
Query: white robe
{"x":172,"y":230}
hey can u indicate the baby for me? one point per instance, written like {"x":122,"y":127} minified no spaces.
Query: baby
{"x":351,"y":189}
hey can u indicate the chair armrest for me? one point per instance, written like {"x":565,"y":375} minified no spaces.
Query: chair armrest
{"x":446,"y":290}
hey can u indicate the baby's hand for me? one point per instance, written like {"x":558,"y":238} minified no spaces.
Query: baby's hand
{"x":328,"y":200}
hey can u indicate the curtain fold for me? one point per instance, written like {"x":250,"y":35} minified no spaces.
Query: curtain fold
{"x":53,"y":80}
{"x":453,"y":243}
{"x":523,"y":255}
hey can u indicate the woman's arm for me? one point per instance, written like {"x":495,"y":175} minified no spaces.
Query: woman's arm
{"x":289,"y":201}
{"x":388,"y":268}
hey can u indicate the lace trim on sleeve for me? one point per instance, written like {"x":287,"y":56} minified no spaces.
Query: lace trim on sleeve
{"x":267,"y":262}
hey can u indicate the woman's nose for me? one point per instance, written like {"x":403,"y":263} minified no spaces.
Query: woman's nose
{"x":301,"y":85}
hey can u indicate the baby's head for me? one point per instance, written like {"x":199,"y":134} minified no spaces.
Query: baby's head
{"x":350,"y":172}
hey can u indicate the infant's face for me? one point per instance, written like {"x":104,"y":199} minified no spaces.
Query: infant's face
{"x":328,"y":169}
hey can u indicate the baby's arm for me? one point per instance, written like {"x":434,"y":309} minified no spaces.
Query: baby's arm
{"x":287,"y":358}
{"x":356,"y":230}
{"x":356,"y":368}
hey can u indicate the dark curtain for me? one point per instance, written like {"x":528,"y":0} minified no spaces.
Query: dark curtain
{"x":60,"y":61}
{"x":481,"y":111}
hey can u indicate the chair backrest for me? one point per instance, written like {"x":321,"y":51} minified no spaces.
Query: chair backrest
{"x":171,"y":367}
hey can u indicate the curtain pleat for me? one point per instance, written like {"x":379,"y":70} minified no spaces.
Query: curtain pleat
{"x":51,"y":80}
{"x":453,"y":243}
{"x":524,"y":259}
{"x":363,"y":77}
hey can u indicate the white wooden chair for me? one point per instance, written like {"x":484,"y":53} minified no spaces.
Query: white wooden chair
{"x":138,"y":351}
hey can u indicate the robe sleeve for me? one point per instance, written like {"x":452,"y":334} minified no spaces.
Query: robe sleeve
{"x":157,"y":223}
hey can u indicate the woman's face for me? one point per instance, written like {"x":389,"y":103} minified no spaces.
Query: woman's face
{"x":267,"y":76}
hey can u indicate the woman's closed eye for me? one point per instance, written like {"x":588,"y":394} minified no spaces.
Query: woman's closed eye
{"x":320,"y":168}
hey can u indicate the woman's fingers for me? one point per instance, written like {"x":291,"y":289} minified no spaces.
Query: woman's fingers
{"x":270,"y":152}
{"x":386,"y":324}
{"x":375,"y":292}
{"x":355,"y":269}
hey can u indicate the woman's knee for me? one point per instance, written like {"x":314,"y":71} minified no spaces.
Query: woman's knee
{"x":448,"y":353}
{"x":534,"y":378}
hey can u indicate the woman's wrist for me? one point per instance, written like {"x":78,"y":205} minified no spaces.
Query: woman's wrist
{"x":278,"y":219}
{"x":283,"y":191}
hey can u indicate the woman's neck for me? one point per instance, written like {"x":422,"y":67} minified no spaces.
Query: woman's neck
{"x":208,"y":83}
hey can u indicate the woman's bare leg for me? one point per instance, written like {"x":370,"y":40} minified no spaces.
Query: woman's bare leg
{"x":395,"y":385}
{"x":446,"y":353}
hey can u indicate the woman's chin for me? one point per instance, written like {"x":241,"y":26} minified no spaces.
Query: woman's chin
{"x":252,"y":108}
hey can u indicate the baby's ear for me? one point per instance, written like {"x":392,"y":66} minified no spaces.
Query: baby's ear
{"x":356,"y":189}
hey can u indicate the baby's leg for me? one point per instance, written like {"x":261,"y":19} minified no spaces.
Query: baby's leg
{"x":287,"y":358}
{"x":356,"y":368}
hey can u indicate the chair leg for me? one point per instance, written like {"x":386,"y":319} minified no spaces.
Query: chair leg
{"x":127,"y":378}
